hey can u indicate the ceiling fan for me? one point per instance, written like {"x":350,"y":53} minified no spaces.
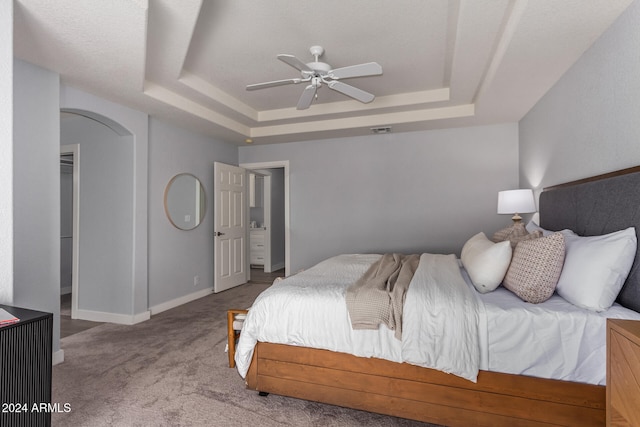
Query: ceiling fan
{"x":317,"y":72}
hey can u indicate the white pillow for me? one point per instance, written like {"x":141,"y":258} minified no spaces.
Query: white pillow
{"x":596,"y":267}
{"x":485,"y":261}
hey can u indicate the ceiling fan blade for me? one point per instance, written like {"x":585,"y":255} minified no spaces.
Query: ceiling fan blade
{"x":351,"y":91}
{"x":295,"y":62}
{"x":272,"y":84}
{"x":307,"y":97}
{"x":361,"y":70}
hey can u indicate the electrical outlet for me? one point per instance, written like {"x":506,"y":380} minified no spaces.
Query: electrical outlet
{"x":196,"y":280}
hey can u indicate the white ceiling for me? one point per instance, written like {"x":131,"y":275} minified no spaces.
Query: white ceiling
{"x":445,"y":62}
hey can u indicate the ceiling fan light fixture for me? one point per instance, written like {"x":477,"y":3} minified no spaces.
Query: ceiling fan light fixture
{"x":317,"y":72}
{"x":319,"y":68}
{"x":381,"y":130}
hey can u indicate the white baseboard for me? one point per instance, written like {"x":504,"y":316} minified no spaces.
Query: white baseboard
{"x":179,"y":301}
{"x":58,"y":357}
{"x":122,"y":319}
{"x":141,"y":317}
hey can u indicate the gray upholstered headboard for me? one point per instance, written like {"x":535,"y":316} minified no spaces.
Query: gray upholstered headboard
{"x":598,"y":205}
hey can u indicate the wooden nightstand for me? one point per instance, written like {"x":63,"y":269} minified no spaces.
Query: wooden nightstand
{"x":623,"y":372}
{"x":233,"y":332}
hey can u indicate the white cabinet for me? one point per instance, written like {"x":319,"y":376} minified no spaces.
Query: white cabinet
{"x":256,"y":246}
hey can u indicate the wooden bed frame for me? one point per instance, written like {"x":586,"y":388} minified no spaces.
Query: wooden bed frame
{"x":424,"y":394}
{"x":409,"y":391}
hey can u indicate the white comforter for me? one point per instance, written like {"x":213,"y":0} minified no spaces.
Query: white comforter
{"x":309,"y":310}
{"x":553,"y":339}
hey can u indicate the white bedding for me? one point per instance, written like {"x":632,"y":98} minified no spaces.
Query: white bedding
{"x":554,"y":339}
{"x":550,"y":340}
{"x":442,"y":319}
{"x":309,"y":309}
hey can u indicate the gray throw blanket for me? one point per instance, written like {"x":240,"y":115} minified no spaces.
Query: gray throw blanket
{"x":378,"y":296}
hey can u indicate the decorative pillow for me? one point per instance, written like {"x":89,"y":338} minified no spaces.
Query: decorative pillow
{"x":485,"y":261}
{"x":535,"y":268}
{"x":515,"y":234}
{"x":596,"y":267}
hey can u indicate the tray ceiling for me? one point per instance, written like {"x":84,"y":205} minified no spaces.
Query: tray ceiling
{"x":445,"y":62}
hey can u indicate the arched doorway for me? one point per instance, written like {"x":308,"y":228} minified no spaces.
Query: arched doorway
{"x":102,"y":285}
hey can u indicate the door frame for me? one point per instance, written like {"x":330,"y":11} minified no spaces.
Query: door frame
{"x":74,"y":149}
{"x":287,"y":229}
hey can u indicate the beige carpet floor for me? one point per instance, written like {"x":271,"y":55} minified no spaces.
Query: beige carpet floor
{"x":172,"y":371}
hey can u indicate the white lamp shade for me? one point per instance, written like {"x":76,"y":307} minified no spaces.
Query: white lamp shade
{"x":516,"y":201}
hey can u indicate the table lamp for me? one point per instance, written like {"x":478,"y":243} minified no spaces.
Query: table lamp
{"x":515,"y":202}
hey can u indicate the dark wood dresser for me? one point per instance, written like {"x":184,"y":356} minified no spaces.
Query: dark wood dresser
{"x":25,"y":369}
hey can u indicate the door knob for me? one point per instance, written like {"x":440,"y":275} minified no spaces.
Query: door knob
{"x":217,"y":233}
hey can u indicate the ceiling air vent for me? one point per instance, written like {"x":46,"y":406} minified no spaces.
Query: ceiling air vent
{"x":383,"y":129}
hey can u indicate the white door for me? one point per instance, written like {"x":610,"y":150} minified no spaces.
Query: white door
{"x":230,"y":218}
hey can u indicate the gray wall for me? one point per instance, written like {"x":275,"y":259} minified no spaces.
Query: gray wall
{"x":115,"y":181}
{"x":106,"y":214}
{"x":6,"y":152}
{"x":128,"y":123}
{"x":277,"y":217}
{"x":411,"y":192}
{"x":171,"y":257}
{"x":176,"y":256}
{"x":589,"y":122}
{"x":36,"y":201}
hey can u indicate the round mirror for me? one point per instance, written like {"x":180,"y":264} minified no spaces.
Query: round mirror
{"x":184,"y":201}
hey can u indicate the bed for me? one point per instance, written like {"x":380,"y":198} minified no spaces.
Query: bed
{"x":592,"y":207}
